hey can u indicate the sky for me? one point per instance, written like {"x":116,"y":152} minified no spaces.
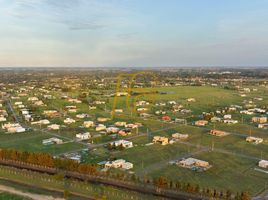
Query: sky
{"x":133,"y":33}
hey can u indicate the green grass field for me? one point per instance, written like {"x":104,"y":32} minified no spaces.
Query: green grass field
{"x":233,"y":170}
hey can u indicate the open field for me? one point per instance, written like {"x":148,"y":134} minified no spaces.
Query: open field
{"x":231,"y":157}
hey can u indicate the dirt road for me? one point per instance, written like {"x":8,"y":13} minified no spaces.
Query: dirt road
{"x":25,"y":194}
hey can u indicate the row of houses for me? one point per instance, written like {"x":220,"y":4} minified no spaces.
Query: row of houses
{"x":13,"y":128}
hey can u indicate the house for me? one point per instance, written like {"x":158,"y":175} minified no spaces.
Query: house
{"x":201,"y":123}
{"x":263,"y":164}
{"x":3,"y":119}
{"x":92,"y":107}
{"x":69,"y":121}
{"x":118,"y":110}
{"x":54,"y":127}
{"x":124,"y":132}
{"x":218,"y":133}
{"x":74,"y":100}
{"x":82,"y":116}
{"x":33,"y":99}
{"x":193,"y":162}
{"x":51,"y":113}
{"x":99,"y":102}
{"x":215,"y":119}
{"x":230,"y":121}
{"x":120,"y":94}
{"x":254,"y":140}
{"x":100,"y":127}
{"x":160,"y":140}
{"x":41,"y":122}
{"x":102,"y":119}
{"x":3,"y":113}
{"x":25,"y":112}
{"x":247,"y":112}
{"x":263,"y":126}
{"x":260,"y":120}
{"x":132,"y":126}
{"x":166,"y":118}
{"x":83,"y":136}
{"x":120,"y":163}
{"x":18,"y":103}
{"x":142,"y":103}
{"x":181,"y":121}
{"x":180,"y":136}
{"x":13,"y":128}
{"x":191,"y":100}
{"x":39,"y":103}
{"x":227,"y":117}
{"x":120,"y":123}
{"x":52,"y":140}
{"x":72,"y":110}
{"x":127,"y":165}
{"x":177,"y":108}
{"x":124,"y":143}
{"x":112,"y":130}
{"x":172,"y":102}
{"x":88,"y":124}
{"x":142,"y":109}
{"x":145,"y":115}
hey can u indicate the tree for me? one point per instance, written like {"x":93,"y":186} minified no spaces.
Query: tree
{"x":161,"y":182}
{"x":245,"y":196}
{"x":66,"y":194}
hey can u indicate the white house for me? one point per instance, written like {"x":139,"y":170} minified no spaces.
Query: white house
{"x":120,"y":123}
{"x":230,"y":121}
{"x":227,"y":117}
{"x":88,"y":124}
{"x":254,"y":140}
{"x":112,"y":129}
{"x":41,"y":122}
{"x":3,"y":119}
{"x":180,"y":136}
{"x":33,"y":99}
{"x":13,"y":128}
{"x":100,"y":127}
{"x":120,"y":163}
{"x":263,"y":163}
{"x":54,"y":127}
{"x":83,"y":136}
{"x":18,"y":103}
{"x":124,"y":143}
{"x":69,"y":121}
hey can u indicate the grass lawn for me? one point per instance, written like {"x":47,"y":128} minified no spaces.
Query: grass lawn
{"x":227,"y":172}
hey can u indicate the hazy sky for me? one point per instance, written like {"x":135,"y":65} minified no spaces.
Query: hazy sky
{"x":133,"y":32}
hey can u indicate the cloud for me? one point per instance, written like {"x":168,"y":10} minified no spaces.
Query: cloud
{"x":75,"y":14}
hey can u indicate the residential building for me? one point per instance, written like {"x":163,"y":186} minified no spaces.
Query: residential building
{"x":83,"y":136}
{"x":254,"y":140}
{"x":161,"y":140}
{"x":263,"y":164}
{"x":218,"y":133}
{"x":124,"y":143}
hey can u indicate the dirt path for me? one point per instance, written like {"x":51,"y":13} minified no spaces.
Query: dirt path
{"x":25,"y":194}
